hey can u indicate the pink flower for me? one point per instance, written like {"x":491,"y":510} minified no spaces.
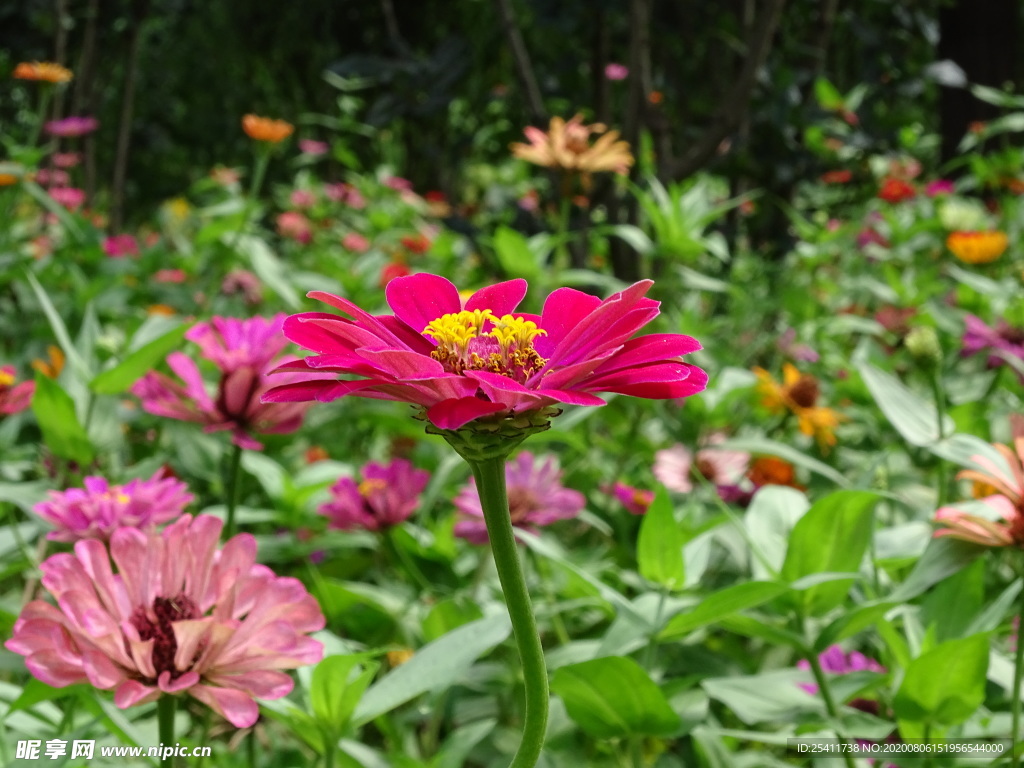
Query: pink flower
{"x":355,"y":242}
{"x":244,"y":352}
{"x":119,"y":246}
{"x":14,"y":398}
{"x":464,"y":361}
{"x":313,"y":147}
{"x":179,"y":616}
{"x":535,"y":497}
{"x":66,"y":159}
{"x":170,"y":276}
{"x":398,"y":183}
{"x":387,"y":495}
{"x":70,"y":197}
{"x":674,"y":466}
{"x":302,"y":198}
{"x":616,"y":71}
{"x":345,"y":193}
{"x":295,"y":226}
{"x":1002,"y":337}
{"x":834,"y":660}
{"x":53,"y":177}
{"x":99,"y":509}
{"x":635,"y":500}
{"x":71,"y":127}
{"x":245,"y":282}
{"x":939,"y":187}
{"x":788,"y":346}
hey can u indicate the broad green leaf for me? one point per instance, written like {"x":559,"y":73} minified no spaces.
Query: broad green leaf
{"x":914,"y":417}
{"x":436,"y":665}
{"x":850,"y":623}
{"x":991,"y":617}
{"x":613,"y":697}
{"x":514,"y":254}
{"x":943,"y":557}
{"x":454,"y":753}
{"x":769,"y":520}
{"x":725,"y":602}
{"x":949,"y":607}
{"x":832,"y":537}
{"x":828,"y":96}
{"x":74,"y":357}
{"x":36,"y":691}
{"x":660,"y":544}
{"x":268,"y":267}
{"x":136,"y":364}
{"x":448,"y":615}
{"x":769,"y":697}
{"x":338,"y":682}
{"x":62,"y":432}
{"x":945,"y":685}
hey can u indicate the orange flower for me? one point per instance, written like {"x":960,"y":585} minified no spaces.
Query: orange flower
{"x":265,"y":129}
{"x":51,"y":368}
{"x":798,"y":393}
{"x":978,"y":247}
{"x":42,"y":70}
{"x":6,"y":179}
{"x":566,"y":145}
{"x":655,"y":97}
{"x":160,"y":309}
{"x":770,"y":470}
{"x":315,"y":453}
{"x":896,"y":190}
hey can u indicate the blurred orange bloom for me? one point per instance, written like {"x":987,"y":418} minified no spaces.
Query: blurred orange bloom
{"x":771,"y":470}
{"x":265,"y":129}
{"x":160,"y":309}
{"x":978,"y":247}
{"x":6,"y":179}
{"x":42,"y":70}
{"x":50,"y":368}
{"x":655,"y":97}
{"x":798,"y":394}
{"x":566,"y":145}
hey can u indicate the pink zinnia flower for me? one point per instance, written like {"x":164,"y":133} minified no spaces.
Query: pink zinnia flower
{"x":313,"y":147}
{"x":1003,"y":338}
{"x":295,"y":226}
{"x":70,"y":197}
{"x":635,"y":500}
{"x":66,"y":159}
{"x":53,"y":177}
{"x":834,"y":660}
{"x":345,"y":193}
{"x":387,"y":495}
{"x":14,"y":398}
{"x":939,"y":187}
{"x":99,"y":509}
{"x":535,"y":497}
{"x":245,"y":282}
{"x":615,"y":71}
{"x":398,"y":183}
{"x":179,"y":616}
{"x":119,"y":246}
{"x":71,"y":127}
{"x":392,"y":271}
{"x":355,"y":242}
{"x":244,"y":351}
{"x":674,"y":466}
{"x":302,"y":198}
{"x":464,"y":361}
{"x":170,"y":276}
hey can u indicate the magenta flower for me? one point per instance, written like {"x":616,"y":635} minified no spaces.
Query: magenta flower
{"x":387,"y":495}
{"x":615,"y":71}
{"x":295,"y":226}
{"x":635,"y":500}
{"x":119,"y":246}
{"x":14,"y":398}
{"x":1000,"y":338}
{"x":179,"y":616}
{"x":70,"y":197}
{"x":674,"y":467}
{"x":53,"y":177}
{"x":99,"y":509}
{"x":536,"y":497}
{"x":463,"y":361}
{"x":834,"y":660}
{"x":313,"y":147}
{"x":244,"y":351}
{"x":939,"y":187}
{"x":71,"y":127}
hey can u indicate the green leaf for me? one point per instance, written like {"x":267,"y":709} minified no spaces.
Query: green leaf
{"x":74,"y":357}
{"x":948,"y":608}
{"x":454,"y":753}
{"x":448,"y":615}
{"x":769,"y":697}
{"x":62,"y":432}
{"x":850,"y":623}
{"x":614,"y":697}
{"x":36,"y":691}
{"x":913,"y":416}
{"x":136,"y":364}
{"x":943,"y":557}
{"x":832,"y":537}
{"x":268,"y":267}
{"x":828,"y":95}
{"x":514,"y":254}
{"x":945,"y":685}
{"x":337,"y":684}
{"x":769,"y":520}
{"x":725,"y":602}
{"x":436,"y":665}
{"x":660,"y":544}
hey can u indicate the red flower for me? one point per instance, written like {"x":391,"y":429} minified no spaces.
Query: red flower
{"x":418,"y":244}
{"x":837,"y":177}
{"x":391,"y":271}
{"x":896,"y":190}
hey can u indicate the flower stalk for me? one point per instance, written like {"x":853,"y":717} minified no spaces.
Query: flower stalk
{"x":1018,"y":673}
{"x":830,"y":704}
{"x":231,"y":489}
{"x":165,"y":707}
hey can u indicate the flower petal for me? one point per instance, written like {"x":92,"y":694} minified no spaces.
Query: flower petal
{"x":457,"y":412}
{"x":419,"y":299}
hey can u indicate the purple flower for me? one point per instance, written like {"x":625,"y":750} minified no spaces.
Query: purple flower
{"x":535,"y":497}
{"x":387,"y":495}
{"x":615,"y":71}
{"x":99,"y":509}
{"x":1003,"y":338}
{"x":834,"y":660}
{"x":71,"y":127}
{"x":801,"y":352}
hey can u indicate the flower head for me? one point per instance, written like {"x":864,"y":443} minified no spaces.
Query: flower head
{"x":265,"y":129}
{"x":53,"y":365}
{"x":387,"y":495}
{"x":295,"y":226}
{"x":14,"y":397}
{"x":1002,"y":338}
{"x":71,"y":127}
{"x":635,"y":500}
{"x":615,"y":71}
{"x":313,"y":147}
{"x":939,"y":187}
{"x":566,"y":145}
{"x":70,"y":197}
{"x":178,"y":616}
{"x":895,"y":190}
{"x":674,"y":467}
{"x":465,"y":361}
{"x":244,"y":351}
{"x":66,"y":159}
{"x":99,"y":509}
{"x":771,"y":470}
{"x":798,"y":394}
{"x":244,"y":282}
{"x":977,"y":247}
{"x":120,"y":246}
{"x":842,"y":176}
{"x":46,"y":71}
{"x":355,"y":242}
{"x":833,"y":659}
{"x":536,"y":497}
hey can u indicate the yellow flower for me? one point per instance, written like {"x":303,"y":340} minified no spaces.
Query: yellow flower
{"x":566,"y":145}
{"x":160,"y":309}
{"x":265,"y":129}
{"x":399,"y":657}
{"x":51,"y":368}
{"x":819,"y":422}
{"x":178,"y":208}
{"x":980,"y":247}
{"x":42,"y":70}
{"x":798,"y":394}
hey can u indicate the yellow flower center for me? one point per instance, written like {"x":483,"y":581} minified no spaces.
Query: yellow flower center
{"x":6,"y":379}
{"x":506,"y":347}
{"x":371,"y":486}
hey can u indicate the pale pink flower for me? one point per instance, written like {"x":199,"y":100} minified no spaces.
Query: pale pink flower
{"x":346,"y":194}
{"x":119,"y":246}
{"x":536,"y":497}
{"x":313,"y":147}
{"x":674,"y":466}
{"x":179,"y":616}
{"x":170,"y":276}
{"x":398,"y":183}
{"x":355,"y":242}
{"x":66,"y":159}
{"x":295,"y":226}
{"x":99,"y":509}
{"x":387,"y":495}
{"x":302,"y":198}
{"x":615,"y":71}
{"x":70,"y":197}
{"x":71,"y":127}
{"x":245,"y":282}
{"x":53,"y":177}
{"x":14,"y":397}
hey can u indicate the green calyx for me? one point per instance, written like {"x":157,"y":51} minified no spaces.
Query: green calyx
{"x":495,"y":437}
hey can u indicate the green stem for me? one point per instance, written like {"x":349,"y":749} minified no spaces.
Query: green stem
{"x":45,"y":92}
{"x":397,"y":551}
{"x":231,"y":489}
{"x":652,"y":642}
{"x":258,"y":172}
{"x":1018,"y":672}
{"x":251,"y":747}
{"x":165,"y":718}
{"x":830,"y":704}
{"x":940,"y":409}
{"x":490,"y":482}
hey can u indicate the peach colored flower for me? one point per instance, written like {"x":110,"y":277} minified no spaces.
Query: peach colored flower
{"x":46,"y":71}
{"x":265,"y":129}
{"x":566,"y":145}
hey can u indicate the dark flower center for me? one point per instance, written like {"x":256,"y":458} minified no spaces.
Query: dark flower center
{"x":1013,"y":335}
{"x":521,"y":502}
{"x":706,"y":468}
{"x":156,"y":625}
{"x":805,"y":391}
